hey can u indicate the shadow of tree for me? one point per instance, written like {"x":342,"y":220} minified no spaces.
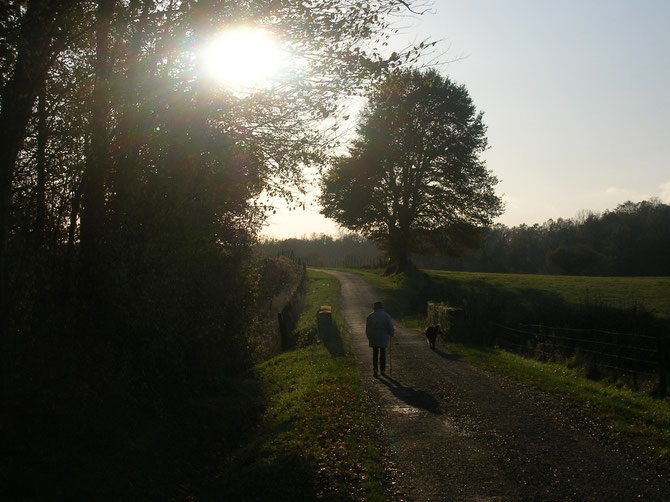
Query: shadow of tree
{"x":282,"y":476}
{"x":415,"y":398}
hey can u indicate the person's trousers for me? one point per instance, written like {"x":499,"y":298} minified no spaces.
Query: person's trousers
{"x":379,"y":359}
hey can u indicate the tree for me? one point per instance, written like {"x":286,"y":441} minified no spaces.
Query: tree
{"x":32,"y":34}
{"x":413,"y":180}
{"x":135,"y":60}
{"x":129,"y":190}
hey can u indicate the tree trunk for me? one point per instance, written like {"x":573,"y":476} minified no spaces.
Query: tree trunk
{"x":398,"y":252}
{"x":35,"y":49}
{"x":92,"y":230}
{"x":126,"y":176}
{"x":40,"y":189}
{"x":38,"y":236}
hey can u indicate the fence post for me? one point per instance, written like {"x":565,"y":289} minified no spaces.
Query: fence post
{"x":283,"y":332}
{"x":662,"y":358}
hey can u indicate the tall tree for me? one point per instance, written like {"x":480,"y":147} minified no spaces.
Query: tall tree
{"x":413,"y":179}
{"x":32,"y":34}
{"x":138,"y":178}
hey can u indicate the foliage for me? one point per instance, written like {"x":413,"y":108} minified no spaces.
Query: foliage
{"x":441,"y":314}
{"x":630,"y":240}
{"x":279,"y":301}
{"x":140,"y":406}
{"x":129,"y":188}
{"x":413,"y":180}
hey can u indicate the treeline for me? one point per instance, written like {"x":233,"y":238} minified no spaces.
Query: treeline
{"x":127,"y":288}
{"x":631,"y":240}
{"x":321,"y":250}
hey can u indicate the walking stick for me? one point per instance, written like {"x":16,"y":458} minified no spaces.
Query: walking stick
{"x":390,"y":358}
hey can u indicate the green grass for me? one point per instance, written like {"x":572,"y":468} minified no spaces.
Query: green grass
{"x":398,"y":294}
{"x":323,"y":289}
{"x":315,"y":440}
{"x":651,"y":292}
{"x":640,"y":418}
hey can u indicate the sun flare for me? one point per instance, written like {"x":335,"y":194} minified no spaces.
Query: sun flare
{"x":243,"y":58}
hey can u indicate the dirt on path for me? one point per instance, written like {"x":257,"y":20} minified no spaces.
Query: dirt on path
{"x":454,"y":432}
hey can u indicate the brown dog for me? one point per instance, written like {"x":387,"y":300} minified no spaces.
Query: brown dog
{"x":431,"y":334}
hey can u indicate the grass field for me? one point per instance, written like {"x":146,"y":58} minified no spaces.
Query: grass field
{"x":315,"y":439}
{"x":653,"y":293}
{"x":622,"y":292}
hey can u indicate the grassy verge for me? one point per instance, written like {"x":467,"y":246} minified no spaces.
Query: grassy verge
{"x":640,"y":418}
{"x":399,"y":295}
{"x":644,"y":420}
{"x":315,"y":438}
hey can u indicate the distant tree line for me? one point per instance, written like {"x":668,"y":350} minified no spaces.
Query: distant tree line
{"x":631,"y":240}
{"x":321,"y":250}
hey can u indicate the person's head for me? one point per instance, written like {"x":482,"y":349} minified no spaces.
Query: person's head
{"x":378,"y":305}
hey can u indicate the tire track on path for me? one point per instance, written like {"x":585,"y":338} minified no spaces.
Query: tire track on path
{"x":456,"y":432}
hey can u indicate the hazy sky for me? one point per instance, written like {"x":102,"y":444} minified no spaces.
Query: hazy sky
{"x":575,"y":94}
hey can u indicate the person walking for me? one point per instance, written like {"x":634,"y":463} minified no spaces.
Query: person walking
{"x":379,"y":330}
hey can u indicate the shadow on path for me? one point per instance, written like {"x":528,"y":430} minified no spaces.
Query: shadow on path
{"x":412,"y":397}
{"x":331,"y":337}
{"x":448,"y":357}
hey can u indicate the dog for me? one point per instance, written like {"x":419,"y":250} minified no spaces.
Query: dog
{"x":431,"y":334}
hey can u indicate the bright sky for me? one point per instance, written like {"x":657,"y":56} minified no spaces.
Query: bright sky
{"x":575,"y":94}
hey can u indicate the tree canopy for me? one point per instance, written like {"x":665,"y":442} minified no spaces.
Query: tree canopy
{"x":130,"y":190}
{"x":413,"y":180}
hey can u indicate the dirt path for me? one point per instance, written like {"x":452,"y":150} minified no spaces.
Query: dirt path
{"x":455,"y":432}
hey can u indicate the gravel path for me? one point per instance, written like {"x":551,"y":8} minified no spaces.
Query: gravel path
{"x":455,"y":432}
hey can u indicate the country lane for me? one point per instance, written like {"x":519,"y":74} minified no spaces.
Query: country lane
{"x":454,"y":432}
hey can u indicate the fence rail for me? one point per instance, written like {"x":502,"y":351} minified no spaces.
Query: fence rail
{"x":647,"y":358}
{"x":624,"y":354}
{"x":590,"y":330}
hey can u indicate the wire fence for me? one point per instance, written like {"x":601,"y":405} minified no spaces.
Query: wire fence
{"x":624,"y":353}
{"x":641,"y":353}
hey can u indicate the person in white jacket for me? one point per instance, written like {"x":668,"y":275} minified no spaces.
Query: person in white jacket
{"x":379,"y":330}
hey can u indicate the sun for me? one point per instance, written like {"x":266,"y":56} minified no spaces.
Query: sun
{"x":243,"y":58}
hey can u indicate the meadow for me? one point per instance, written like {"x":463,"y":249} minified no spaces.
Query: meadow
{"x":653,"y":293}
{"x":408,"y":293}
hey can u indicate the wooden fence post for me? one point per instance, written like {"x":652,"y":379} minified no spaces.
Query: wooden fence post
{"x":283,"y":332}
{"x":662,"y":360}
